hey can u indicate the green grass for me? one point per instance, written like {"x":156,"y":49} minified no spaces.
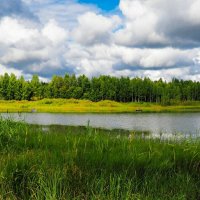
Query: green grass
{"x":73,"y":105}
{"x":59,"y":162}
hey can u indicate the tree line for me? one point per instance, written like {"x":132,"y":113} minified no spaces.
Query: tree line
{"x":123,"y":89}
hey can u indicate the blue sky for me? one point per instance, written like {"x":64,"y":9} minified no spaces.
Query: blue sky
{"x":156,"y":39}
{"x":103,"y":4}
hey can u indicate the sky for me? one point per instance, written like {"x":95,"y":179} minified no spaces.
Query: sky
{"x":143,"y":38}
{"x":105,"y":5}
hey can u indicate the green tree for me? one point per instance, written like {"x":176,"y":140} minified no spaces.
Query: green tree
{"x":27,"y":91}
{"x":19,"y":88}
{"x":5,"y":83}
{"x":11,"y":89}
{"x":35,"y":86}
{"x":56,"y":86}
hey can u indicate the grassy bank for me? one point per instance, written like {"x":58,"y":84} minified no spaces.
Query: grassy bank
{"x":72,"y":105}
{"x":58,"y":162}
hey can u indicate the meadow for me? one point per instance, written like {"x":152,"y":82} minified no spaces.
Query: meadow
{"x":63,"y":162}
{"x":106,"y":106}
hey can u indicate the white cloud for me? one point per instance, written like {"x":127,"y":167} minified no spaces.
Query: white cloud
{"x":149,"y":58}
{"x":65,"y":13}
{"x":28,"y":48}
{"x":54,"y":33}
{"x":11,"y":31}
{"x":133,"y":9}
{"x":145,"y":39}
{"x":94,"y":28}
{"x":194,"y":13}
{"x":139,"y":25}
{"x":159,"y":23}
{"x":4,"y":69}
{"x":197,"y":59}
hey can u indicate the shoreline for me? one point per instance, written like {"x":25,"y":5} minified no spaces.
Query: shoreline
{"x":85,"y":106}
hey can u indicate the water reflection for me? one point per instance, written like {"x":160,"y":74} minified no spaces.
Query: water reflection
{"x":165,"y":123}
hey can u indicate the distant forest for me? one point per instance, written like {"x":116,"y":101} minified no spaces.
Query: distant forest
{"x":123,"y":89}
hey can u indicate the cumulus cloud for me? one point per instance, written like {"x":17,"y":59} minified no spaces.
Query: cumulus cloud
{"x":139,"y":25}
{"x":154,"y":38}
{"x":12,"y":31}
{"x":160,"y":22}
{"x":152,"y":58}
{"x":15,"y":8}
{"x":93,"y":28}
{"x":28,"y":48}
{"x":54,"y":33}
{"x":64,"y":13}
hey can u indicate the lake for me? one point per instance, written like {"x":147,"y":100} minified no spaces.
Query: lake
{"x":167,"y":123}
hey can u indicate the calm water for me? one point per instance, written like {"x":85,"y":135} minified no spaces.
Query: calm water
{"x":170,"y":123}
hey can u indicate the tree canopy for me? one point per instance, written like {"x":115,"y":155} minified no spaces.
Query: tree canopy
{"x":123,"y":89}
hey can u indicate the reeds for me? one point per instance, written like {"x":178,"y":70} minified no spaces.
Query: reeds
{"x":59,"y":162}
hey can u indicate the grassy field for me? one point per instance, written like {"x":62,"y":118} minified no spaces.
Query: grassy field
{"x":72,"y":105}
{"x":59,"y":162}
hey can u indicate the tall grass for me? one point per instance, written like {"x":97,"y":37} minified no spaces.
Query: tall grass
{"x":58,"y":162}
{"x":73,"y":105}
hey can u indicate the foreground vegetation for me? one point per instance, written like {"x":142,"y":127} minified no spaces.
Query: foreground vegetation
{"x":73,"y":105}
{"x":123,"y":89}
{"x":58,"y":162}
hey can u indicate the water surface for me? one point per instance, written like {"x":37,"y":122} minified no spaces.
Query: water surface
{"x":170,"y":123}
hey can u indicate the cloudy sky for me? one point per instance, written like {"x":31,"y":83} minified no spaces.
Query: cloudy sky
{"x":145,"y":38}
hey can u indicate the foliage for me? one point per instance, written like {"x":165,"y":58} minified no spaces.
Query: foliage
{"x":121,"y":89}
